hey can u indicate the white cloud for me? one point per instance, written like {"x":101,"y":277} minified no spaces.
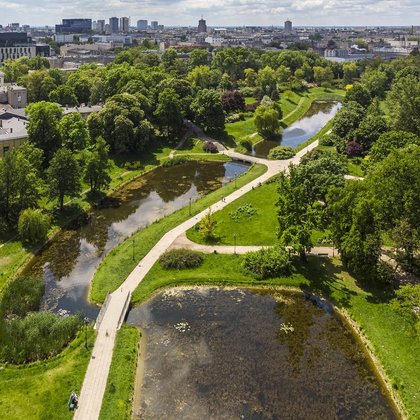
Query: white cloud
{"x":219,"y":12}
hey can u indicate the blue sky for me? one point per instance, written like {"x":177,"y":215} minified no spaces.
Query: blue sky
{"x":218,"y":12}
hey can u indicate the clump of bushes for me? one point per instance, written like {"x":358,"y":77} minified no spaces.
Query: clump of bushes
{"x":180,"y":258}
{"x":281,"y":153}
{"x":33,"y":226}
{"x":38,"y":336}
{"x":210,"y":147}
{"x":176,"y":160}
{"x":132,"y":166}
{"x":233,"y":118}
{"x":247,"y":144}
{"x":21,"y":296}
{"x":245,"y":211}
{"x":268,"y":262}
{"x":326,"y":140}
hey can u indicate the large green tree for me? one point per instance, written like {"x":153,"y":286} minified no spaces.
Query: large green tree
{"x":169,"y":112}
{"x":267,"y":121}
{"x":208,"y":110}
{"x":98,"y":166}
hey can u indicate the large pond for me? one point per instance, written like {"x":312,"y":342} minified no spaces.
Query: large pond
{"x":69,"y":262}
{"x":315,"y":118}
{"x":216,"y":353}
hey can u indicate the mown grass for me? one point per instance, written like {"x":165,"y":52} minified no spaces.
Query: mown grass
{"x":118,"y":264}
{"x":260,"y":228}
{"x":41,"y":390}
{"x":117,"y":401}
{"x":12,"y":256}
{"x":392,"y":339}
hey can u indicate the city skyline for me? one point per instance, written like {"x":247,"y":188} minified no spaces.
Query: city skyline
{"x":221,"y":12}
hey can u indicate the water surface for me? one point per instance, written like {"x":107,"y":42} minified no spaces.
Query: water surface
{"x":223,"y":354}
{"x":69,"y":262}
{"x":315,"y":118}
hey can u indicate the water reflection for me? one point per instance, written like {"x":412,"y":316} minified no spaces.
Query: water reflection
{"x":220,"y":354}
{"x":317,"y":116}
{"x":69,"y":262}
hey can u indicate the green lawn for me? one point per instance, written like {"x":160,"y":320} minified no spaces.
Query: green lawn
{"x":259,"y":228}
{"x":354,"y":166}
{"x":250,"y":100}
{"x":392,"y":339}
{"x":117,"y":402}
{"x":41,"y":390}
{"x":118,"y":264}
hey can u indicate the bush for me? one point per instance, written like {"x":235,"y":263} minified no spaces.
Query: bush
{"x":245,"y":211}
{"x":268,"y":263}
{"x":354,"y":149}
{"x":177,"y":160}
{"x":210,"y":147}
{"x":36,"y":337}
{"x":281,"y":153}
{"x":233,"y":118}
{"x":33,"y":226}
{"x":180,"y":258}
{"x":326,"y":140}
{"x":21,"y":296}
{"x":132,"y":166}
{"x":247,"y":144}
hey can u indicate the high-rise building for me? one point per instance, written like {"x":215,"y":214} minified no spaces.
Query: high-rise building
{"x":154,"y":25}
{"x":100,"y":26}
{"x":124,"y":24}
{"x":74,"y":26}
{"x":113,"y":24}
{"x":288,"y":26}
{"x":142,"y":25}
{"x":15,"y":45}
{"x":202,"y":27}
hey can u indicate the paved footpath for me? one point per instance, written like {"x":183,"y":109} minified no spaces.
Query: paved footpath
{"x":94,"y":384}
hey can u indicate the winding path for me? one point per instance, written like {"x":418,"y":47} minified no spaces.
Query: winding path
{"x":94,"y":384}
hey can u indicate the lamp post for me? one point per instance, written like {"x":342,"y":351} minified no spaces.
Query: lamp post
{"x":190,"y":206}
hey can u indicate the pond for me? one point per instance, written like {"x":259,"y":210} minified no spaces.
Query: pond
{"x":69,"y":262}
{"x":215,"y":353}
{"x":315,"y":118}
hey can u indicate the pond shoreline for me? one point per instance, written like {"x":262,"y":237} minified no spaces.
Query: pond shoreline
{"x":390,"y":394}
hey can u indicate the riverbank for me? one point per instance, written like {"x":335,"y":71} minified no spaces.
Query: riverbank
{"x":41,"y":390}
{"x":386,"y":335}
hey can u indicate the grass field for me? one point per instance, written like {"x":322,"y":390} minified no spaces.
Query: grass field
{"x":391,"y":338}
{"x":259,"y":228}
{"x":116,"y":266}
{"x":117,"y":402}
{"x":41,"y":390}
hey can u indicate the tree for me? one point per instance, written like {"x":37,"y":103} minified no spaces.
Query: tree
{"x":169,"y":112}
{"x":323,"y":75}
{"x":33,"y":226}
{"x":354,"y":149}
{"x":169,"y":58}
{"x":64,"y":176}
{"x":350,"y":72}
{"x":208,"y":110}
{"x":250,"y":77}
{"x":198,"y":57}
{"x":202,"y":77}
{"x":369,"y":130}
{"x":403,"y":102}
{"x":358,"y":93}
{"x":348,"y":119}
{"x":43,"y":131}
{"x":266,"y":81}
{"x":376,"y":82}
{"x":98,"y":166}
{"x":208,"y":225}
{"x":407,"y":302}
{"x":64,"y":95}
{"x":407,"y":242}
{"x":233,"y":101}
{"x":297,"y":214}
{"x":74,"y":132}
{"x":267,"y":121}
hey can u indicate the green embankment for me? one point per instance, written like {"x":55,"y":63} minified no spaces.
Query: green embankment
{"x":392,"y":339}
{"x":117,"y":402}
{"x":41,"y":390}
{"x":118,"y":264}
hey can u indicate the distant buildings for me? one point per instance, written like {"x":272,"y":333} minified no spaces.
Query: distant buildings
{"x":15,"y":45}
{"x":113,"y":24}
{"x":288,"y":28}
{"x":202,"y":26}
{"x":154,"y":24}
{"x":74,"y":26}
{"x":124,"y":24}
{"x":142,"y":25}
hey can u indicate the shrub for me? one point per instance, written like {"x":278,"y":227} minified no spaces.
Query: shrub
{"x":247,"y":144}
{"x":281,"y":153}
{"x":233,"y":118}
{"x":180,"y":259}
{"x":245,"y":211}
{"x":132,"y":166}
{"x":210,"y":147}
{"x":326,"y":140}
{"x":207,"y":226}
{"x":177,"y":160}
{"x":21,"y":296}
{"x":36,"y":337}
{"x":354,"y":149}
{"x":33,"y":226}
{"x":268,"y":262}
